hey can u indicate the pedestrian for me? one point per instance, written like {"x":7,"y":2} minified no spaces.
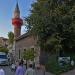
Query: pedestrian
{"x":22,"y":61}
{"x":2,"y":72}
{"x":42,"y":68}
{"x":30,"y":70}
{"x":20,"y":69}
{"x":13,"y":67}
{"x":16,"y":64}
{"x":72,"y":63}
{"x":39,"y":70}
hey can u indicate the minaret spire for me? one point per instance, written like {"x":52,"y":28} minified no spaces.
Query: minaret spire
{"x":17,"y":8}
{"x":17,"y":11}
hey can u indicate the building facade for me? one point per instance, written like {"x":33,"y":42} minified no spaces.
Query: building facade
{"x":25,"y":42}
{"x":4,"y":42}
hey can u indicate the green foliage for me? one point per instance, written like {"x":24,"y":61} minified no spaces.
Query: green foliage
{"x":11,"y":37}
{"x":3,"y":49}
{"x":53,"y":66}
{"x":53,"y":17}
{"x":39,"y":20}
{"x":29,"y":54}
{"x":55,"y":42}
{"x":53,"y":21}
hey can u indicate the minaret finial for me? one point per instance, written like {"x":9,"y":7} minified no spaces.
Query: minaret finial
{"x":17,"y":7}
{"x":16,"y":1}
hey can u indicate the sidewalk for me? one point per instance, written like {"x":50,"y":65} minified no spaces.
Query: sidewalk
{"x":72,"y":72}
{"x":42,"y":73}
{"x":47,"y":73}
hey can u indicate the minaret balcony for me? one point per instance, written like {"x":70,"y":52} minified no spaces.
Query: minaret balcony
{"x":17,"y":21}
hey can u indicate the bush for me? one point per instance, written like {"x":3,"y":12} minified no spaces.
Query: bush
{"x":53,"y":66}
{"x":3,"y":49}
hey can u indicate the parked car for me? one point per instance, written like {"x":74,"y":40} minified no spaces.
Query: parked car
{"x":3,"y":59}
{"x":63,"y":60}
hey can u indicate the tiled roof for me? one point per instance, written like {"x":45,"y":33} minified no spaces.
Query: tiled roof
{"x":3,"y":38}
{"x":22,"y":36}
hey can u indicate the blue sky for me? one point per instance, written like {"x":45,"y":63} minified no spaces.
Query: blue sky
{"x":6,"y":14}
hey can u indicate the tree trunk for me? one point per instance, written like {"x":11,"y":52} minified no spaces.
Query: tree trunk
{"x":43,"y":57}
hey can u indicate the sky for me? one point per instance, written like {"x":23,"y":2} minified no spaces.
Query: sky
{"x":6,"y":14}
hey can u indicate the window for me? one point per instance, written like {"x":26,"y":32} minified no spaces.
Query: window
{"x":24,"y":50}
{"x":32,"y":49}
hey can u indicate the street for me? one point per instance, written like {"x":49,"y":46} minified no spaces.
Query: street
{"x":7,"y":70}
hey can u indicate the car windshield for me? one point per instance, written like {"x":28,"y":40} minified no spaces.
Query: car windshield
{"x":3,"y":56}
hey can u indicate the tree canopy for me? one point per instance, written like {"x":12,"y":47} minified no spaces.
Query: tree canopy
{"x":53,"y":18}
{"x":53,"y":21}
{"x":11,"y":37}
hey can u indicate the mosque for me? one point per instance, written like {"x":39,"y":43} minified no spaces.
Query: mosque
{"x":25,"y":41}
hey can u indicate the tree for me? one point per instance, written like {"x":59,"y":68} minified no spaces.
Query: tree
{"x":29,"y":54}
{"x":11,"y":37}
{"x":3,"y":49}
{"x":39,"y":23}
{"x":53,"y":18}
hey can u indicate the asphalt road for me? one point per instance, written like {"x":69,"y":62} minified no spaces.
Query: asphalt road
{"x":7,"y":70}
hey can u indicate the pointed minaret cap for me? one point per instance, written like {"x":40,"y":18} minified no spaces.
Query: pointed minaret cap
{"x":17,"y":8}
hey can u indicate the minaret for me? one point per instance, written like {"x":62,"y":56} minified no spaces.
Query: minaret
{"x":17,"y":22}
